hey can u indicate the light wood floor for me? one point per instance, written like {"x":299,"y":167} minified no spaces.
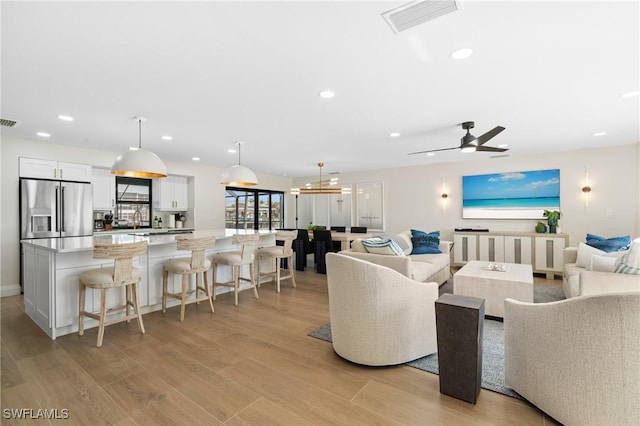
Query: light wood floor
{"x":250,"y":364}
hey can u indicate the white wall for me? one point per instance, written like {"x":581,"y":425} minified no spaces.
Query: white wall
{"x":412,"y":194}
{"x":208,"y":194}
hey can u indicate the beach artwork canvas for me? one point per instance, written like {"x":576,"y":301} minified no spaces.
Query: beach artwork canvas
{"x":517,"y":195}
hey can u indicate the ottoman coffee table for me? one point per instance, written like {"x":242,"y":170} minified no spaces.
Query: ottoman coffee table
{"x":477,"y":280}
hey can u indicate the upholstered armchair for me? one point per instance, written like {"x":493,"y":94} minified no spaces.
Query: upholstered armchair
{"x":576,"y":359}
{"x":378,"y":315}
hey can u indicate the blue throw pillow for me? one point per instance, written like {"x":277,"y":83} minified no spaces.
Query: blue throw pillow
{"x":609,"y":245}
{"x":425,"y":243}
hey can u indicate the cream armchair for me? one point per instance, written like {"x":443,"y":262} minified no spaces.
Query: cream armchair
{"x":576,"y":359}
{"x":379,"y":316}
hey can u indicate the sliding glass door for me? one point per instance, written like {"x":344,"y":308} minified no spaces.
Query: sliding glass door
{"x":253,"y":209}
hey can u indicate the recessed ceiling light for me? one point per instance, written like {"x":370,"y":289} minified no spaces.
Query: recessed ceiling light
{"x":167,"y":138}
{"x":463,"y":53}
{"x":394,"y":134}
{"x":630,"y":95}
{"x":133,"y":148}
{"x":430,"y":154}
{"x":195,"y":158}
{"x":600,"y":134}
{"x":43,"y":134}
{"x":65,"y":117}
{"x":326,"y":94}
{"x":231,"y":151}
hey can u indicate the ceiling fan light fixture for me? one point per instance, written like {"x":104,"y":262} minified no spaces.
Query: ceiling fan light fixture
{"x":139,"y":162}
{"x":467,"y":149}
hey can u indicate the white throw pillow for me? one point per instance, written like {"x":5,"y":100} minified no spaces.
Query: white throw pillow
{"x":584,"y":254}
{"x":386,"y":246}
{"x":601,"y":263}
{"x":407,"y":247}
{"x":630,"y":262}
{"x":357,"y":246}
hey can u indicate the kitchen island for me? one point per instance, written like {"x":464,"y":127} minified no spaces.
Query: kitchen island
{"x":52,"y":267}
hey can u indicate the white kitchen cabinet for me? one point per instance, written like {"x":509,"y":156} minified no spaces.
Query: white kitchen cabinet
{"x":465,"y":248}
{"x":104,"y":189}
{"x":171,"y":193}
{"x":548,"y":254}
{"x":37,"y":302}
{"x":51,"y":169}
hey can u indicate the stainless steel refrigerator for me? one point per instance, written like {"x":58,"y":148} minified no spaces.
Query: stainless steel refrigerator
{"x":52,"y":209}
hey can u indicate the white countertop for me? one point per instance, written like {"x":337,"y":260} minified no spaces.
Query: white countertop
{"x":74,"y":244}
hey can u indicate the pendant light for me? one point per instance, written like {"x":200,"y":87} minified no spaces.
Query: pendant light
{"x":138,"y":162}
{"x":239,"y":175}
{"x":322,"y":186}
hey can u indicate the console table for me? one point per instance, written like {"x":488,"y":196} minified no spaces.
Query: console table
{"x":542,"y":251}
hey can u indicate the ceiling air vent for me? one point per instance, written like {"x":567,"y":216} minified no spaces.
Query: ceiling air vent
{"x":418,"y":12}
{"x":5,"y":122}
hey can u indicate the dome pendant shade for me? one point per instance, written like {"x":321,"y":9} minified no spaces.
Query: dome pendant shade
{"x":239,"y":176}
{"x":139,"y":163}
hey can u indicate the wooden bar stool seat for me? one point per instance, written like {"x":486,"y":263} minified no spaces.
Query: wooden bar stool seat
{"x":122,"y":274}
{"x":197,"y":265}
{"x":275,"y":254}
{"x":237,"y":259}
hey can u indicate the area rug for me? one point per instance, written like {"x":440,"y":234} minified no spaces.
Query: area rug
{"x":492,"y":347}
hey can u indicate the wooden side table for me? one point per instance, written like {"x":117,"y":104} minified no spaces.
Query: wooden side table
{"x":459,"y":325}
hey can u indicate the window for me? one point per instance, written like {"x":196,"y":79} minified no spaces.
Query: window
{"x":132,"y":194}
{"x":253,"y":209}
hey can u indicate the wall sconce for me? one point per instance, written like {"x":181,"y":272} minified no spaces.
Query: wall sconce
{"x":444,"y":197}
{"x":586,"y":189}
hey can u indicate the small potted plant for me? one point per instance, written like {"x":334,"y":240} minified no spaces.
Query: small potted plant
{"x":541,"y":228}
{"x":552,"y":219}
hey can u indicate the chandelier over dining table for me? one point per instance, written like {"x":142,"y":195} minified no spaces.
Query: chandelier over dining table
{"x":322,"y":186}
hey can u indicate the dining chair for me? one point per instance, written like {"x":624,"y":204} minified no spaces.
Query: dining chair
{"x":197,"y":265}
{"x":358,"y":230}
{"x":339,"y":228}
{"x":122,"y":274}
{"x":323,"y":244}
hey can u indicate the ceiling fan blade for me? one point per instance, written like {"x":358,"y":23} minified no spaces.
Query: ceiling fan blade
{"x":490,"y":134}
{"x":433,"y":150}
{"x":491,"y":149}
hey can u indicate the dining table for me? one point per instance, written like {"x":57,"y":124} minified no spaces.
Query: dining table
{"x":345,"y":239}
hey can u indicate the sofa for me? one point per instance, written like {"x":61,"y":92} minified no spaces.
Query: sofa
{"x":576,"y":359}
{"x":372,"y":322}
{"x":432,"y":267}
{"x":587,"y":271}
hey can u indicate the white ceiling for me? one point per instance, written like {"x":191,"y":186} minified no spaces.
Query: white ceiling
{"x":212,"y":73}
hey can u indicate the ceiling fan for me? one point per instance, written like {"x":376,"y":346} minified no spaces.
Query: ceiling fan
{"x":470,"y":143}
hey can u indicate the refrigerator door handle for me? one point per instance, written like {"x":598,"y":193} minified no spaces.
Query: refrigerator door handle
{"x":62,"y":208}
{"x":57,"y":209}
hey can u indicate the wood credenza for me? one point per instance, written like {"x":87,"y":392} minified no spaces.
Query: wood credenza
{"x":542,"y":251}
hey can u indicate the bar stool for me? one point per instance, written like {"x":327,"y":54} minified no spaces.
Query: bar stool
{"x":276,"y":254}
{"x":237,"y":259}
{"x":197,"y":265}
{"x":122,"y":274}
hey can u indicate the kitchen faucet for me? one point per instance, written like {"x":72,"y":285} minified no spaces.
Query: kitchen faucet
{"x":137,"y":219}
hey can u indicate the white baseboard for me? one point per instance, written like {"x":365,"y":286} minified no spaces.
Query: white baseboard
{"x":10,"y":290}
